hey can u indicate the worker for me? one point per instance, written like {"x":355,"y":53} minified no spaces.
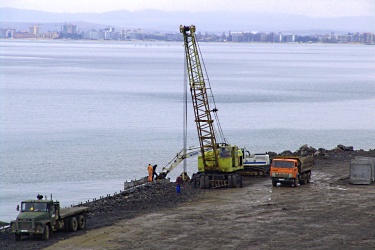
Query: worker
{"x":150,"y":172}
{"x":154,"y":172}
{"x":179,"y":182}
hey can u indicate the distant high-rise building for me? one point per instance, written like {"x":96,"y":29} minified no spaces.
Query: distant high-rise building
{"x":368,"y":38}
{"x":34,"y":30}
{"x":69,"y":29}
{"x":277,"y":38}
{"x":108,"y":33}
{"x":290,"y":38}
{"x":109,"y":29}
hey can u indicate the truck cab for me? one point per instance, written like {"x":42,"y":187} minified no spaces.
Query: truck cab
{"x":284,"y":168}
{"x":34,"y":216}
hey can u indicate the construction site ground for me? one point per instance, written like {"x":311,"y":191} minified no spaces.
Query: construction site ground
{"x":328,"y":213}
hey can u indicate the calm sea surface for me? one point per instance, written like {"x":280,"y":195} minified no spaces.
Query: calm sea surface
{"x":79,"y":118}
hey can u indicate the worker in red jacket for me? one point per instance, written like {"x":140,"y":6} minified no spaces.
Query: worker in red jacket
{"x":179,"y":182}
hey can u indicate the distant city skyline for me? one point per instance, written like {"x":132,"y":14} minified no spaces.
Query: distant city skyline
{"x":71,"y":31}
{"x":311,"y":8}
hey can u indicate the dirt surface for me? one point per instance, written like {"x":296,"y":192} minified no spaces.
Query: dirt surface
{"x":327,"y":213}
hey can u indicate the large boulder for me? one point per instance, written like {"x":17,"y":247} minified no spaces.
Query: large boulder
{"x":345,"y":148}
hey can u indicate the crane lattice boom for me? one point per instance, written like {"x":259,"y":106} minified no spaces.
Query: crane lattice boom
{"x":198,"y":89}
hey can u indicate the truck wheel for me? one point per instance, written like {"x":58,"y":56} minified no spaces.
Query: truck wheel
{"x":73,"y":224}
{"x":296,"y":182}
{"x":304,"y":179}
{"x":18,"y":236}
{"x":274,"y":183}
{"x":81,"y":222}
{"x":308,"y":177}
{"x":45,"y":235}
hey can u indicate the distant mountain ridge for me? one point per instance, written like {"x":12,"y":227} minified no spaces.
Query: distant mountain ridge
{"x":156,"y":20}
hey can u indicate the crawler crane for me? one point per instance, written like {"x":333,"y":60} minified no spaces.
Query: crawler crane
{"x":217,"y":162}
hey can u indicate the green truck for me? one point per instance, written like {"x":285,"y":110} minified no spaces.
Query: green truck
{"x":44,"y":216}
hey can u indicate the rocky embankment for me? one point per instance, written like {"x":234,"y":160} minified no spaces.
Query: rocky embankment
{"x":154,"y":197}
{"x":341,"y":152}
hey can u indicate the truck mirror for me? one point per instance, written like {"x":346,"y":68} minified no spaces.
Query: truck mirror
{"x":18,"y":207}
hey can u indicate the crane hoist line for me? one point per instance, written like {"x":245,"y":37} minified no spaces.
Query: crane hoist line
{"x":217,"y":162}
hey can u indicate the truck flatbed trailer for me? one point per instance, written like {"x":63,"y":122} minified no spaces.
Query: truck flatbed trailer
{"x":69,"y":211}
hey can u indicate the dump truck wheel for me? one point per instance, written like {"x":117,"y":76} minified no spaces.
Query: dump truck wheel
{"x":17,"y":236}
{"x":45,"y":235}
{"x":81,"y":222}
{"x":274,"y":183}
{"x":73,"y":224}
{"x":296,"y":181}
{"x":308,"y":177}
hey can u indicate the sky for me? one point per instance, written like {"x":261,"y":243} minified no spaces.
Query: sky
{"x":312,"y":8}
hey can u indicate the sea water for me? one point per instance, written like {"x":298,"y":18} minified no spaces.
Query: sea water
{"x":78,"y":118}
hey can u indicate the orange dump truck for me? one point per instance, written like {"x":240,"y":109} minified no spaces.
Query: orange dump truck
{"x":292,"y":170}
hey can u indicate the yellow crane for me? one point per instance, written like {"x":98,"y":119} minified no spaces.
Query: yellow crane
{"x":217,"y":162}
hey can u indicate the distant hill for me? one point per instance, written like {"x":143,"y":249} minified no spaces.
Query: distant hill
{"x":155,"y":20}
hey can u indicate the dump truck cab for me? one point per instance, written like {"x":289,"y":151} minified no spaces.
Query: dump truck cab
{"x":285,"y":168}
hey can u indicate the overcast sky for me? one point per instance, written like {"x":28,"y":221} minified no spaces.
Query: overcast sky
{"x":312,"y":8}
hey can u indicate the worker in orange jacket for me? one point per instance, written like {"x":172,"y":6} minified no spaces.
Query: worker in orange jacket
{"x":150,"y":170}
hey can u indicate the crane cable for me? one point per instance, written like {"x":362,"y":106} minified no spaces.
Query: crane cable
{"x":220,"y":133}
{"x":185,"y":85}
